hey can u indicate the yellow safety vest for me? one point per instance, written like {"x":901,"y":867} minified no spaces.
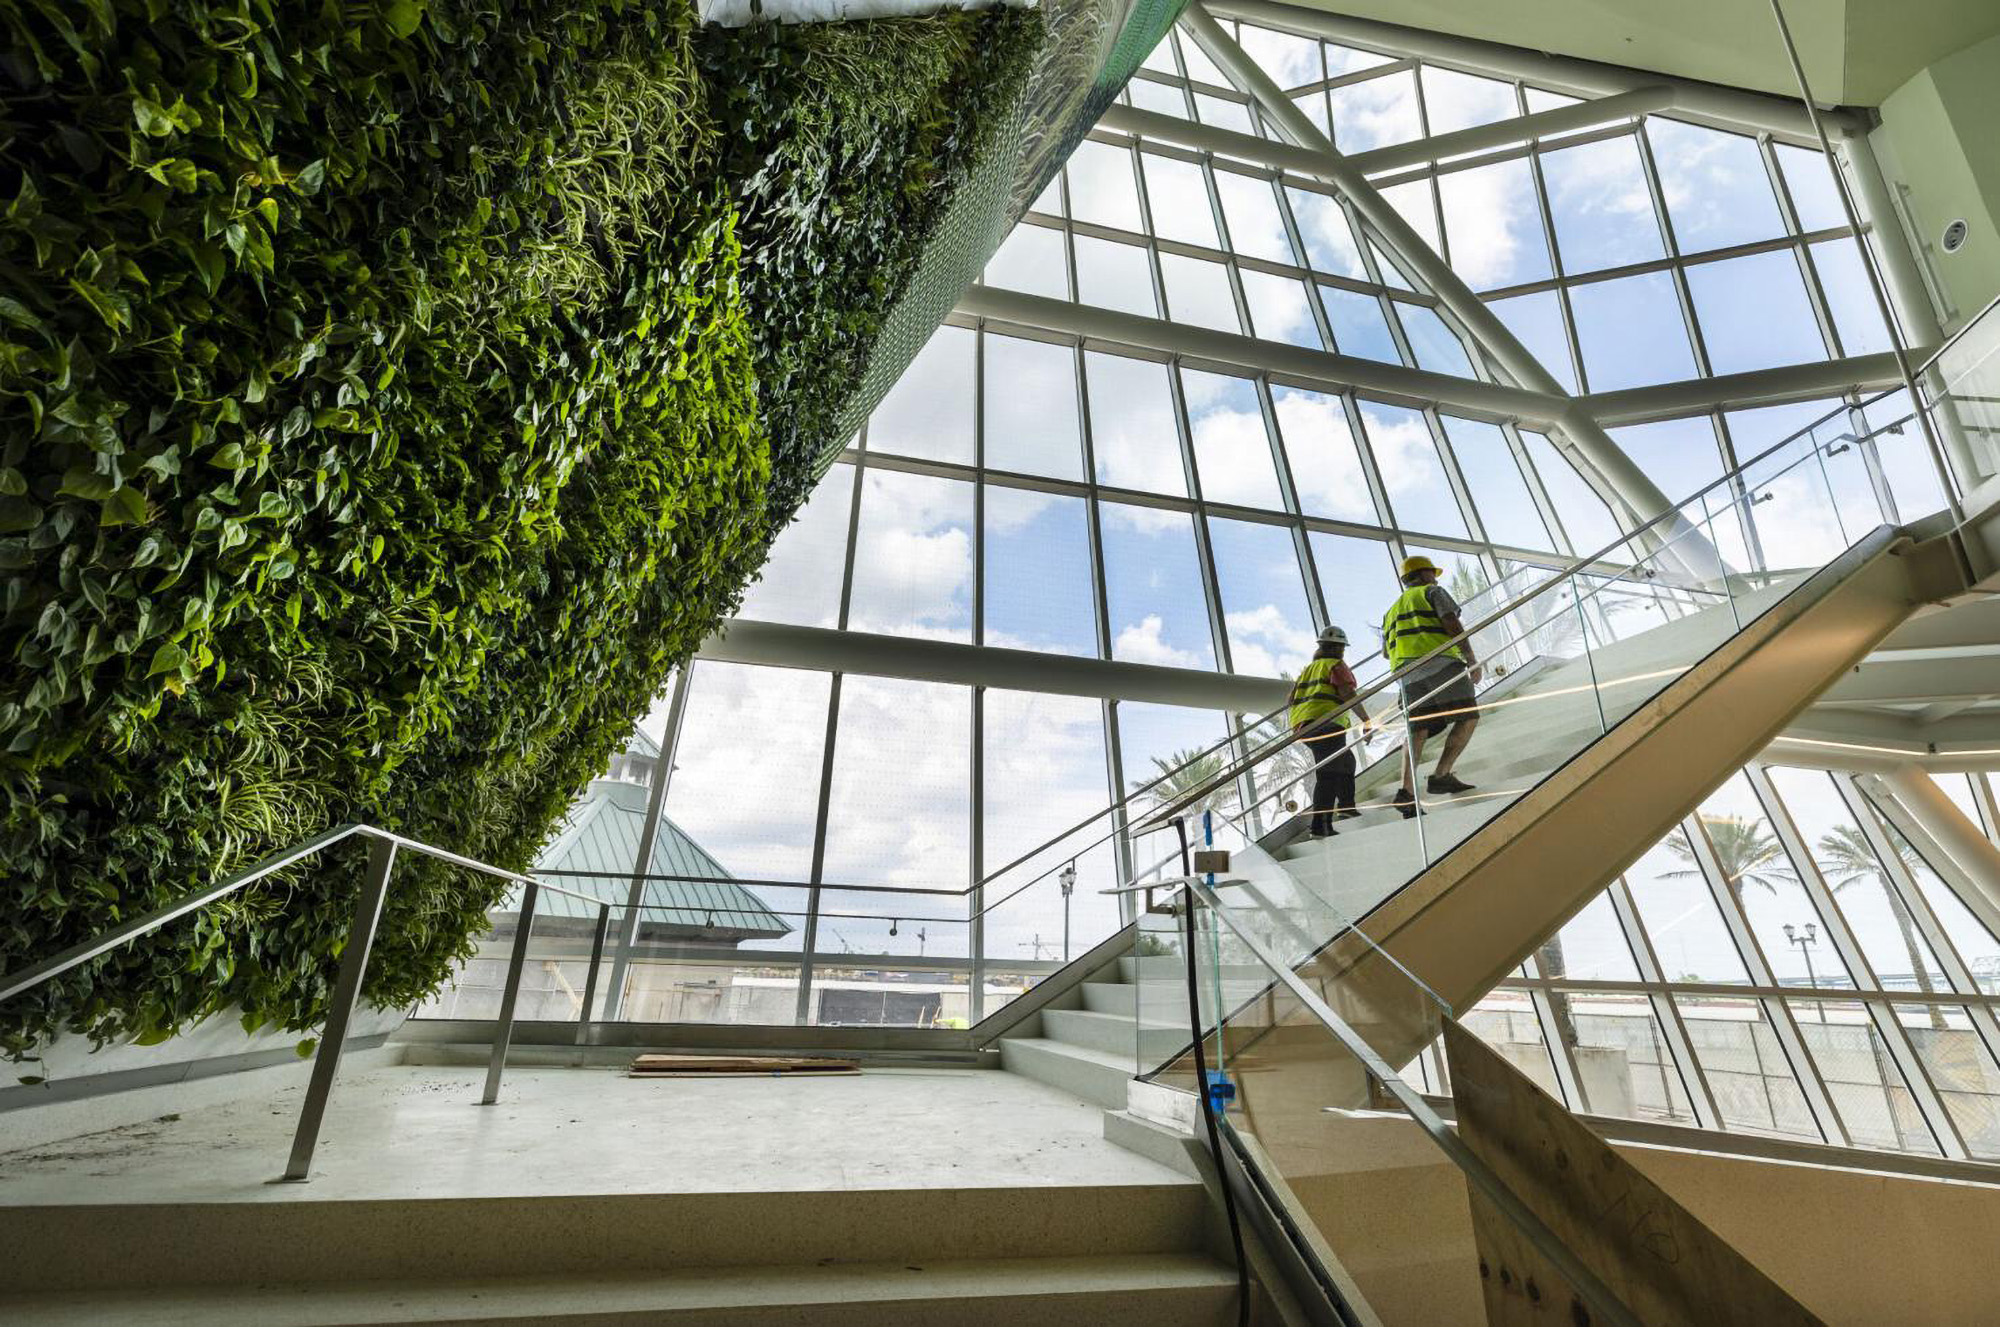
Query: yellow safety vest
{"x":1312,"y":695}
{"x":1411,"y":628}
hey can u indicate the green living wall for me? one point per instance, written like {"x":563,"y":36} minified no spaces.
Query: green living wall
{"x":391,"y":395}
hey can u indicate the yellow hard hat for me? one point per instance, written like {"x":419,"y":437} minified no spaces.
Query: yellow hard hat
{"x":1414,"y":563}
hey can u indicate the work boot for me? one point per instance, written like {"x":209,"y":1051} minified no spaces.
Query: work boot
{"x":1447,"y":783}
{"x":1347,"y":813}
{"x":1406,"y":802}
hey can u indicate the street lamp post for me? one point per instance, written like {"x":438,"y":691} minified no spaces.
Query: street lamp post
{"x":1068,"y":881}
{"x":1804,"y":943}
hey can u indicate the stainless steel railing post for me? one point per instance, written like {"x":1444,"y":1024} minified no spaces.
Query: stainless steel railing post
{"x":340,"y":1011}
{"x":503,"y":1031}
{"x":584,"y":1017}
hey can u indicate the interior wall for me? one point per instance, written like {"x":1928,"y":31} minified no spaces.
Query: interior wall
{"x":1941,"y":158}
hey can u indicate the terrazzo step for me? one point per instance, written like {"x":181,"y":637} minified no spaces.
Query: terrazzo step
{"x":1098,"y":1077}
{"x":154,"y":1248}
{"x":1154,"y":967}
{"x":1111,"y":997}
{"x":1112,"y":1033}
{"x":1117,"y":1290}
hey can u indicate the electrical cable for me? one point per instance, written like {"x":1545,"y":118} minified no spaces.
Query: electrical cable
{"x":1201,"y":1080}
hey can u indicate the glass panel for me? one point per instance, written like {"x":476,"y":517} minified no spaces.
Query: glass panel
{"x":1868,"y":1091}
{"x":1198,"y":293}
{"x":1631,"y":332}
{"x":1678,"y":455}
{"x":1049,"y":200}
{"x":1263,"y":598}
{"x":1690,"y":941}
{"x":1291,"y":61}
{"x":1177,"y":194}
{"x":1223,"y":113}
{"x":1326,"y":469}
{"x":1815,"y":197}
{"x":1161,"y":98}
{"x":1754,"y":313}
{"x":1589,"y":947}
{"x":1766,"y":885}
{"x":1034,"y":790}
{"x":1357,"y":577}
{"x":1454,"y":101}
{"x":913,"y":557}
{"x":1376,"y":113}
{"x":899,"y":812}
{"x":1494,"y":480}
{"x":1495,"y":225}
{"x":1849,"y":297}
{"x":1623,"y":1065}
{"x":1232,"y":450}
{"x":1962,"y":1069}
{"x":1118,"y":276}
{"x":1200,"y":68}
{"x":1038,"y":584}
{"x":801,"y":582}
{"x":1329,"y":240}
{"x":1600,"y":205}
{"x":1031,"y":408}
{"x":1347,"y":60}
{"x":1256,"y":227}
{"x":1314,"y":106}
{"x":1407,"y":460}
{"x":1875,"y":913}
{"x":1101,"y":187}
{"x":1161,"y":58}
{"x":1417,"y":205}
{"x":1156,"y":741}
{"x":1967,"y":933}
{"x":1152,"y":580}
{"x":1746,"y":1068}
{"x":1906,"y":460}
{"x":755,"y":817}
{"x":1031,"y":260}
{"x":1280,"y":309}
{"x":1717,"y":190}
{"x":1358,"y":325}
{"x":1537,"y":321}
{"x":928,"y":412}
{"x":1583,"y":514}
{"x":1505,"y":1020}
{"x":1132,"y":429}
{"x":1435,"y":345}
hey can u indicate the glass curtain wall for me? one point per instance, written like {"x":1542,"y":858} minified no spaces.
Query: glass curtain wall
{"x":1020,"y":490}
{"x":1797,"y":960}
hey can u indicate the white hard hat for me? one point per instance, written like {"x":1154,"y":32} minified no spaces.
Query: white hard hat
{"x":1333,"y":636}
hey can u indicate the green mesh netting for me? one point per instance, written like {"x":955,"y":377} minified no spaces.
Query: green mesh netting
{"x":1093,"y":47}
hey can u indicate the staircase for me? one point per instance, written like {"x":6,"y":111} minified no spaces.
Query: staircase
{"x":1090,"y":1043}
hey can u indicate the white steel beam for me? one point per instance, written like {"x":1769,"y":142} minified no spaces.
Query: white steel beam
{"x":1942,"y":820}
{"x":1314,"y":368}
{"x":1558,"y":73}
{"x":1790,"y":382}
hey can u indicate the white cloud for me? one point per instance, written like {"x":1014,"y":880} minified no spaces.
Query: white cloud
{"x":1234,"y":454}
{"x":1263,"y":641}
{"x":1404,"y":452}
{"x":1144,"y":642}
{"x":1325,"y":466}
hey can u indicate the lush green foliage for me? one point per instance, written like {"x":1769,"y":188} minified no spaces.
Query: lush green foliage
{"x":380,"y":424}
{"x":379,"y":427}
{"x":835,"y":221}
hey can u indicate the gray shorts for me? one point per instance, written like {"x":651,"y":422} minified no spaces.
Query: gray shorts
{"x":1438,"y":697}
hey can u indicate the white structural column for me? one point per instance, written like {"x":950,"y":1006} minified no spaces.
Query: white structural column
{"x":1628,"y":482}
{"x":1942,"y":820}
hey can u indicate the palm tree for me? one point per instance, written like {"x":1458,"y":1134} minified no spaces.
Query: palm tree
{"x":1847,"y":857}
{"x":1181,"y":773}
{"x":1748,"y":853}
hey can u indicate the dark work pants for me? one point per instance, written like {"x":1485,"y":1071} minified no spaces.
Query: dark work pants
{"x":1333,"y":777}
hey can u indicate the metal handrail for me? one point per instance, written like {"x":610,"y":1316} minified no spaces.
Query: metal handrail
{"x":1603,"y":1303}
{"x":1165,"y":815}
{"x":383,"y":846}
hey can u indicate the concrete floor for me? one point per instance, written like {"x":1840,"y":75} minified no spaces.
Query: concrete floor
{"x":406,"y":1131}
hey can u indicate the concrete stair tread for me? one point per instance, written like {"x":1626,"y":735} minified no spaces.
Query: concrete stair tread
{"x":1099,"y":1077}
{"x":1167,"y":1287}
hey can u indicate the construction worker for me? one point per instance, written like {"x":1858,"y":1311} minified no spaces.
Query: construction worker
{"x":1437,"y":694}
{"x":1317,"y":718}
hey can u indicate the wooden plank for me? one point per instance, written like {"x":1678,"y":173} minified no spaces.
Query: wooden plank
{"x":669,"y":1066}
{"x":1667,"y":1267}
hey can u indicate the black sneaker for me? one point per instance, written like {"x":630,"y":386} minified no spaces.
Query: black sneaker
{"x":1327,"y":833}
{"x":1447,"y":783}
{"x":1406,"y":802}
{"x":1348,"y":813}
